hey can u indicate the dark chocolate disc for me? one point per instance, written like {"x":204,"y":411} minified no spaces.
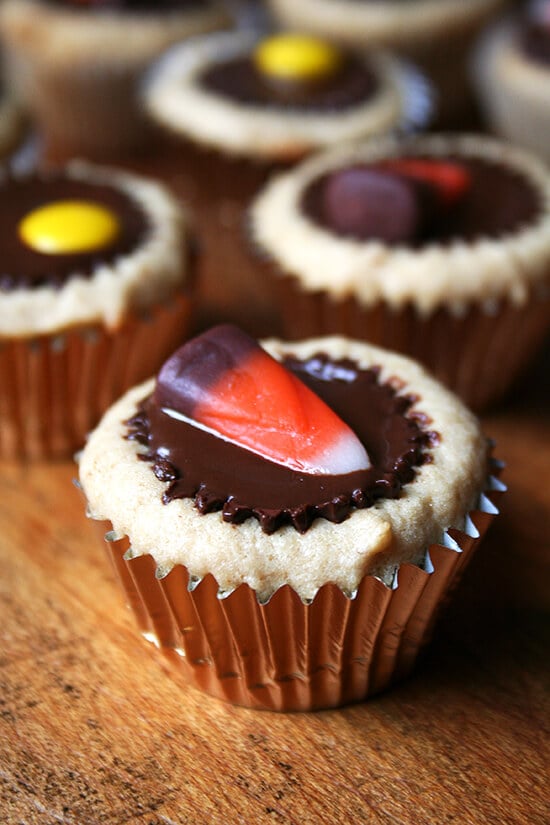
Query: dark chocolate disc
{"x":239,"y":80}
{"x":220,"y":475}
{"x":497,"y":200}
{"x":23,"y":266}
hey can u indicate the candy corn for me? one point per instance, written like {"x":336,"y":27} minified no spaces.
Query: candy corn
{"x":225,"y":383}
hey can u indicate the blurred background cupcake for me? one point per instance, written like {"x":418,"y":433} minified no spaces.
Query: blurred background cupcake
{"x":76,"y":65}
{"x":239,"y":106}
{"x":94,"y":292}
{"x":438,"y":247}
{"x":512,"y":73}
{"x":435,"y":34}
{"x":270,"y":579}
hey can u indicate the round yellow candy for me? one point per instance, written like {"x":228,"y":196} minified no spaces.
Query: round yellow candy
{"x":296,"y":57}
{"x":69,"y":227}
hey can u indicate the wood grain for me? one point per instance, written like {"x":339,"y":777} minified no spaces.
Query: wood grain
{"x":95,"y":729}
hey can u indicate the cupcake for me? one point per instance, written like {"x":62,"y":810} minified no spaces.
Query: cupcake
{"x":438,"y":247}
{"x":287,"y":519}
{"x":239,"y":106}
{"x":77,"y":66}
{"x":512,"y":74}
{"x":437,"y":35}
{"x":93,"y":296}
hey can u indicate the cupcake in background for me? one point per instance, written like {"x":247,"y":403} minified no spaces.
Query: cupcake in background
{"x":238,"y":106}
{"x":436,"y":34}
{"x":438,"y":247}
{"x":94,"y":293}
{"x":287,"y":520}
{"x":76,"y":66}
{"x":511,"y":70}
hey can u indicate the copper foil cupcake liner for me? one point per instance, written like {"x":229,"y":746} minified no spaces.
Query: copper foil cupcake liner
{"x":478,"y":355}
{"x":56,"y":387}
{"x":287,"y":655}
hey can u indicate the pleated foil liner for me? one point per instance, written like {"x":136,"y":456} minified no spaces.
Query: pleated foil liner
{"x":478,"y":355}
{"x":287,"y":655}
{"x":56,"y":387}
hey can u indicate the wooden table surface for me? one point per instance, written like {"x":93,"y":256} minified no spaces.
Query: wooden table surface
{"x":94,"y":728}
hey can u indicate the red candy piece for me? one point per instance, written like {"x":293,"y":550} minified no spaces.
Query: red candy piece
{"x":451,"y":180}
{"x":224,"y":382}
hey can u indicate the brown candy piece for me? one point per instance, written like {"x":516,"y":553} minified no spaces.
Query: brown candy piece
{"x":373,"y":204}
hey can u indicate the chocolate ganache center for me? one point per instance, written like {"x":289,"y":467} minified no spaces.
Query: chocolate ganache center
{"x":375,"y":201}
{"x":354,"y":83}
{"x":220,"y":475}
{"x":23,"y":266}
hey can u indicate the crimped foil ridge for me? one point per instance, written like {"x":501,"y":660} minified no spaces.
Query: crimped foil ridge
{"x":284,"y":654}
{"x":55,"y":388}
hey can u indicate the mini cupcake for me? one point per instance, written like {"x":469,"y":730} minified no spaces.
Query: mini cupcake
{"x":286,"y":521}
{"x":77,"y":65}
{"x":93,"y":296}
{"x":239,"y":106}
{"x":438,"y":247}
{"x":437,"y":35}
{"x":512,"y":74}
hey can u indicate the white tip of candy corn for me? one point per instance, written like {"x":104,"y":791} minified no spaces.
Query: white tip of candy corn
{"x":345,"y":455}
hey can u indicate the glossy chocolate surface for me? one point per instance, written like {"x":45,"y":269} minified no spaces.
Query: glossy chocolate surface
{"x":23,"y":267}
{"x":222,"y":476}
{"x":499,"y":201}
{"x":239,"y":80}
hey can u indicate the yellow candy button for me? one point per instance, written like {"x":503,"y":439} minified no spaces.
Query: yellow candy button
{"x":296,"y":57}
{"x":69,"y":227}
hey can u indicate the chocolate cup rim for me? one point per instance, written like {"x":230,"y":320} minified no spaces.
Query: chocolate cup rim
{"x":450,"y":541}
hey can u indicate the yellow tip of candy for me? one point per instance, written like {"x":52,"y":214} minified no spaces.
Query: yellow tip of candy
{"x":69,"y":227}
{"x":296,"y":57}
